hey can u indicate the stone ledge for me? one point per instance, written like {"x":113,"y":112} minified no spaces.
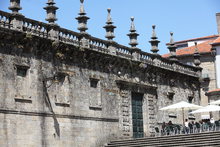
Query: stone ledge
{"x":47,"y":114}
{"x":22,"y":100}
{"x":62,"y":104}
{"x":171,"y":115}
{"x":99,"y":108}
{"x":131,"y":83}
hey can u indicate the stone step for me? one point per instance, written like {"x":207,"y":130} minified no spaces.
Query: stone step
{"x":188,"y":139}
{"x":167,"y":137}
{"x":190,"y":144}
{"x":193,"y":142}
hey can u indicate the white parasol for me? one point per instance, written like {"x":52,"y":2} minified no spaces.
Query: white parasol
{"x":181,"y":106}
{"x":209,"y":108}
{"x":215,"y":102}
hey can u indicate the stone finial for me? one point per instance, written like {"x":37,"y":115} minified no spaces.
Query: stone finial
{"x":171,"y":38}
{"x":82,"y":19}
{"x":109,"y":26}
{"x":172,"y":47}
{"x":132,"y":29}
{"x":133,"y":35}
{"x":154,"y":42}
{"x":109,"y":18}
{"x":197,"y":61}
{"x":51,"y":12}
{"x":82,"y":10}
{"x":15,"y":6}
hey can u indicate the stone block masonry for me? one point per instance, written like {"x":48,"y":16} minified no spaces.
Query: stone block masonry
{"x":71,"y":90}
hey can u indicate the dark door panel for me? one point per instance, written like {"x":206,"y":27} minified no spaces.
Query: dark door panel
{"x":137,"y":115}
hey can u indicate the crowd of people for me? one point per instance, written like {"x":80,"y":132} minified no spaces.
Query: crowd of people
{"x":189,"y":127}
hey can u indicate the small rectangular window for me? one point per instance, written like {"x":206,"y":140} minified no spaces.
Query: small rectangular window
{"x":94,"y":83}
{"x":170,"y":95}
{"x":190,"y":99}
{"x":22,"y":71}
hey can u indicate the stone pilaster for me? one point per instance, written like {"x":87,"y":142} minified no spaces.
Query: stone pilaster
{"x":125,"y":121}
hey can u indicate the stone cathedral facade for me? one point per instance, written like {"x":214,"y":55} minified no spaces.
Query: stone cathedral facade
{"x":64,"y":88}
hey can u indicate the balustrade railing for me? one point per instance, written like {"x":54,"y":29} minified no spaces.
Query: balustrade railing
{"x":5,"y":19}
{"x":70,"y":37}
{"x":98,"y":44}
{"x":123,"y":51}
{"x":35,"y":27}
{"x":166,"y":64}
{"x":146,"y":57}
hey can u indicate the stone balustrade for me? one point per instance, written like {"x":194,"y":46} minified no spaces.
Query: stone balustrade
{"x":5,"y":19}
{"x":35,"y":27}
{"x":70,"y":37}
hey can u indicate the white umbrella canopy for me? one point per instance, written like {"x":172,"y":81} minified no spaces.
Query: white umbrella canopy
{"x":215,"y":102}
{"x":209,"y":108}
{"x":181,"y":106}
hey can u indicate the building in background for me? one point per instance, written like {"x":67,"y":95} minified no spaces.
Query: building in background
{"x":209,"y":50}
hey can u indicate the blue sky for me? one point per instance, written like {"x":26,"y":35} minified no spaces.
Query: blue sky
{"x":186,"y":18}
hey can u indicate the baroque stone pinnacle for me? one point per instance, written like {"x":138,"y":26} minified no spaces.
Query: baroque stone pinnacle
{"x":172,"y":48}
{"x":51,"y":11}
{"x":109,"y":26}
{"x":133,"y":35}
{"x":15,"y":6}
{"x":82,"y":18}
{"x":154,"y":42}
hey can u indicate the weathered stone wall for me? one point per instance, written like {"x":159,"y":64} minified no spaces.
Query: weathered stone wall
{"x":55,"y":94}
{"x":208,"y":78}
{"x":31,"y":130}
{"x":76,"y":114}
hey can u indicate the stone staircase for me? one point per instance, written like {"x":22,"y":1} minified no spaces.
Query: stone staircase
{"x":211,"y":139}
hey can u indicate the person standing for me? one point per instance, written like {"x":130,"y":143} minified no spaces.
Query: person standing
{"x":186,"y":126}
{"x":212,"y":121}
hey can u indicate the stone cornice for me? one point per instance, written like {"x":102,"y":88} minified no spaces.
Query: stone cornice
{"x":43,"y":30}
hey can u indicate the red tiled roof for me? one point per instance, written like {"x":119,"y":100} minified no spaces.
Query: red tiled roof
{"x":216,"y":41}
{"x":216,"y":90}
{"x":200,"y":38}
{"x":204,"y":47}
